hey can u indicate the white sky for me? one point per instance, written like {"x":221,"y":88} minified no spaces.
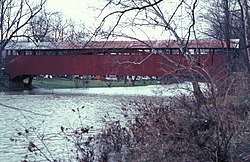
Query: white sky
{"x":83,"y":11}
{"x":78,"y":10}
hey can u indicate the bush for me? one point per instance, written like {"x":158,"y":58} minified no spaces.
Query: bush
{"x":175,"y":130}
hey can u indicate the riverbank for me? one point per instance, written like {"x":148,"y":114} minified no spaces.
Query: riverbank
{"x":62,"y":83}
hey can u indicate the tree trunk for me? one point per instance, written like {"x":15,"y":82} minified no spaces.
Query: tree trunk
{"x":246,"y":18}
{"x":199,"y":96}
{"x":227,"y":35}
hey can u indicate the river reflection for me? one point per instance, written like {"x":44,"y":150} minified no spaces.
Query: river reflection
{"x":54,"y":108}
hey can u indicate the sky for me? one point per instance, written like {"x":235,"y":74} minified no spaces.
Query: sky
{"x":84,"y":11}
{"x":74,"y":8}
{"x":78,"y":10}
{"x":81,"y":11}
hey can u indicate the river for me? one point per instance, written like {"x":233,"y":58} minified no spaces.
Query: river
{"x":48,"y":110}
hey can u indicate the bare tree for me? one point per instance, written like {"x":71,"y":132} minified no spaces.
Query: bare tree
{"x":245,"y":6}
{"x":59,"y":25}
{"x":226,"y":21}
{"x":55,"y":27}
{"x":40,"y":27}
{"x":75,"y":32}
{"x":15,"y":15}
{"x":47,"y":26}
{"x":158,"y":15}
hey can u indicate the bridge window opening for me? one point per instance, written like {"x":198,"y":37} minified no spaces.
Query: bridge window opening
{"x":192,"y":51}
{"x":20,"y":53}
{"x":175,"y":51}
{"x":34,"y":52}
{"x":53,"y":52}
{"x":60,"y":52}
{"x":147,"y":50}
{"x":42,"y":53}
{"x":9,"y":52}
{"x":67,"y":52}
{"x":166,"y":51}
{"x":204,"y":51}
{"x":140,"y":53}
{"x":158,"y":52}
{"x":219,"y":51}
{"x":87,"y":53}
{"x":57,"y":52}
{"x":144,"y":52}
{"x":197,"y":51}
{"x":47,"y":53}
{"x":212,"y":51}
{"x":28,"y":52}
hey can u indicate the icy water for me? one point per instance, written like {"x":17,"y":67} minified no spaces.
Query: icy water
{"x":48,"y":110}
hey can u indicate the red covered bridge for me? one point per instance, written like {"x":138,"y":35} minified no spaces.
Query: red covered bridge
{"x":121,"y":58}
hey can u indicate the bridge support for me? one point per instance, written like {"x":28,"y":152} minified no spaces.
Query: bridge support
{"x":19,"y":84}
{"x":4,"y":81}
{"x":29,"y":84}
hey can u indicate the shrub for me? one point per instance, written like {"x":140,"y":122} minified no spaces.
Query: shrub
{"x":175,"y":130}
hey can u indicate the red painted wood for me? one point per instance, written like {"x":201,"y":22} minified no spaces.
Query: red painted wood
{"x":122,"y":65}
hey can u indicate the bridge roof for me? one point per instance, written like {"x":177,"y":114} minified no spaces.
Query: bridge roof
{"x":158,"y":44}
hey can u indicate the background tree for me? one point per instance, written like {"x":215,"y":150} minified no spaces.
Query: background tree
{"x":245,"y":9}
{"x":55,"y":27}
{"x":40,"y":27}
{"x":59,"y":25}
{"x":15,"y":15}
{"x":226,"y":22}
